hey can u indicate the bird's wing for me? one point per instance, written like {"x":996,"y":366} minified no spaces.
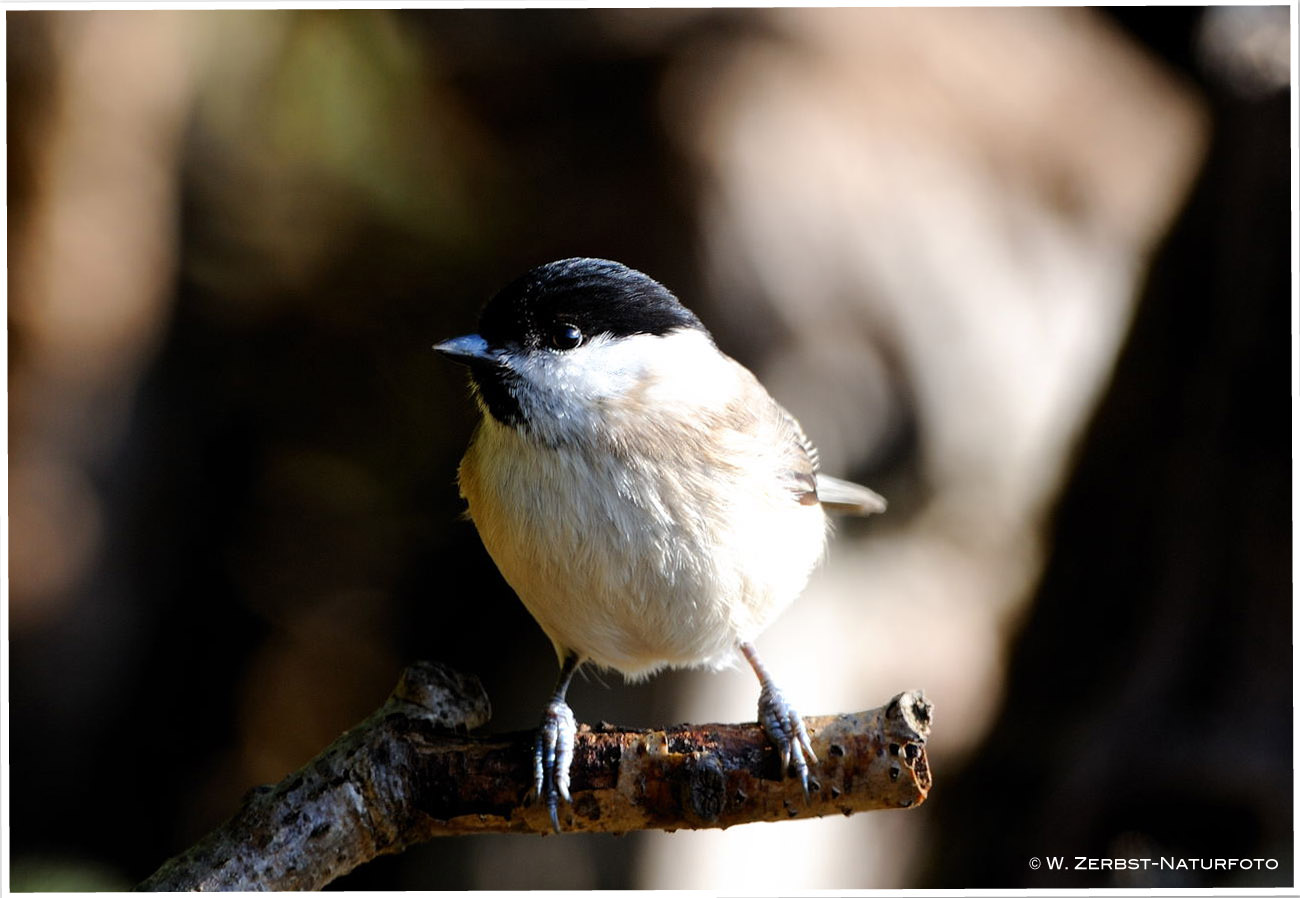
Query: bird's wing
{"x":768,"y":425}
{"x":801,"y":461}
{"x":814,"y":486}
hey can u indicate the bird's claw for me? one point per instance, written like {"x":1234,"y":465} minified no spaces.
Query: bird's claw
{"x":785,"y":728}
{"x":553,"y":755}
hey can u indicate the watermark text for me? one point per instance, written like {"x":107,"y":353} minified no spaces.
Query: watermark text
{"x":1064,"y":862}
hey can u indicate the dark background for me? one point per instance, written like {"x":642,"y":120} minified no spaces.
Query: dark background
{"x":232,"y":501}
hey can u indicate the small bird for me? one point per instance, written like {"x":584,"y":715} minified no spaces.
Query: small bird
{"x":646,"y":498}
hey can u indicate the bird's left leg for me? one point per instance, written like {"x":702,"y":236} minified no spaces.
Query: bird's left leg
{"x":781,"y":722}
{"x":553,"y":749}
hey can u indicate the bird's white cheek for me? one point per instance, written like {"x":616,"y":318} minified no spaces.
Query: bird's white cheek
{"x":681,"y":365}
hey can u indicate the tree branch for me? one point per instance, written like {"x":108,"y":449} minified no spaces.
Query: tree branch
{"x":410,"y":772}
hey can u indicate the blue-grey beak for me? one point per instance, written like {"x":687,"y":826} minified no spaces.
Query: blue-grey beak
{"x":467,"y":350}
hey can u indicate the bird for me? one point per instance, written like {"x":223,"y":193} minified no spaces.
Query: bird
{"x":641,"y":492}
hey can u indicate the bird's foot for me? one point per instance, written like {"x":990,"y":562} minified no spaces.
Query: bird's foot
{"x":553,"y":755}
{"x":785,"y":728}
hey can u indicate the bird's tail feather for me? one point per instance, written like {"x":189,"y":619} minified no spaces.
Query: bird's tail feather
{"x":848,"y":498}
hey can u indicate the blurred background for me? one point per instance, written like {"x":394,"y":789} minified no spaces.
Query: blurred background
{"x":1024,"y":271}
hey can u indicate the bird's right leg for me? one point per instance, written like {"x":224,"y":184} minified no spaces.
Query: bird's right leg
{"x":553,"y":750}
{"x":782,"y":723}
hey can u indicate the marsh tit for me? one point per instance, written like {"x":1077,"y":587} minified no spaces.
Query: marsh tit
{"x":647,"y":499}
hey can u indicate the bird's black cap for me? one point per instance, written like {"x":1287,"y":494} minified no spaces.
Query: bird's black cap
{"x":596,"y":296}
{"x":554,"y":307}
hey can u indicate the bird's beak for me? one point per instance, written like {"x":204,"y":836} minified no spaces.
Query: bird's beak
{"x":468,"y":350}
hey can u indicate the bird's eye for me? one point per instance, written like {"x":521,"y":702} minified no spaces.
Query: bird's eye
{"x":566,"y":336}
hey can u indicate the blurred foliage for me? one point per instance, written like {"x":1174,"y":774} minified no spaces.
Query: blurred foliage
{"x":49,"y":874}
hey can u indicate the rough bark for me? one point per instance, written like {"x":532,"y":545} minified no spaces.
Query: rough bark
{"x":411,"y":771}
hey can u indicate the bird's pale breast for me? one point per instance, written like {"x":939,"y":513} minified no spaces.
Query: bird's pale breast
{"x":631,"y":566}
